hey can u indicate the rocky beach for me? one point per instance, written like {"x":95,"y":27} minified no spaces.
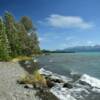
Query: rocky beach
{"x":60,"y":87}
{"x":84,"y":87}
{"x":9,"y":89}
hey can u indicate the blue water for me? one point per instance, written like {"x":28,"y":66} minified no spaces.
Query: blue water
{"x":64,"y":63}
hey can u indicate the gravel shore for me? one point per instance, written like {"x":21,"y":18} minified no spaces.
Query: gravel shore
{"x":9,"y":89}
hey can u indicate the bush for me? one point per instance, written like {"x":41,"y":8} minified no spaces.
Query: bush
{"x":37,"y":80}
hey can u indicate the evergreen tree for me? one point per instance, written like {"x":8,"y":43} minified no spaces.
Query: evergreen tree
{"x":4,"y":44}
{"x":11,"y":32}
{"x":17,"y":38}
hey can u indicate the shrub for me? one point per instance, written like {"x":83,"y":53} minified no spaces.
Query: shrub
{"x":36,"y":79}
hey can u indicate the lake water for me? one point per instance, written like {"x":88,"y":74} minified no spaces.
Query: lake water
{"x":64,"y":63}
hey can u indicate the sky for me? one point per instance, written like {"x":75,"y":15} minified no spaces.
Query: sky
{"x":60,"y":23}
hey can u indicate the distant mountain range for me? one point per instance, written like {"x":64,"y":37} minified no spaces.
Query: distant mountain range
{"x":95,"y":48}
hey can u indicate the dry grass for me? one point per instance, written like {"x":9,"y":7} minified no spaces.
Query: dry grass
{"x":40,"y":79}
{"x":21,"y":58}
{"x":36,"y":79}
{"x":26,"y":78}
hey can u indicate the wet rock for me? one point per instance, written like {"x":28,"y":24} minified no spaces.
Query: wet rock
{"x":56,"y":80}
{"x":84,"y":83}
{"x":50,"y":83}
{"x":28,"y":86}
{"x":54,"y":76}
{"x":46,"y":95}
{"x":68,"y":85}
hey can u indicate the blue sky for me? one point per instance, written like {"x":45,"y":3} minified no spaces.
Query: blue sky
{"x":60,"y":23}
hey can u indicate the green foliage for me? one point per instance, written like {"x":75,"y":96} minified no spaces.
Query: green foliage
{"x":4,"y":44}
{"x":35,"y":79}
{"x":34,"y":43}
{"x":15,"y":39}
{"x":11,"y":32}
{"x":23,"y":37}
{"x":26,"y":21}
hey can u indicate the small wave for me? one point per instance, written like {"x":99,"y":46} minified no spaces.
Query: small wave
{"x":93,"y":82}
{"x":85,"y":88}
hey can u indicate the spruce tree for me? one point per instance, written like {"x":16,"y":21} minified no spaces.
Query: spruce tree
{"x":4,"y":43}
{"x":11,"y":32}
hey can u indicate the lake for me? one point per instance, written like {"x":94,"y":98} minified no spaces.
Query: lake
{"x":64,"y":63}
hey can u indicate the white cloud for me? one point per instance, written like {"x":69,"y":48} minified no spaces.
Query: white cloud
{"x":60,"y":21}
{"x":91,"y":43}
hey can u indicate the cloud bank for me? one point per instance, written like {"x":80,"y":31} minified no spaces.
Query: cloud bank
{"x":60,"y":21}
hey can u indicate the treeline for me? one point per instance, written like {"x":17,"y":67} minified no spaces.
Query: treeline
{"x":17,"y":37}
{"x":56,"y":51}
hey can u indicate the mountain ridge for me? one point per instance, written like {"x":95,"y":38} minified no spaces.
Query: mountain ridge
{"x":95,"y":48}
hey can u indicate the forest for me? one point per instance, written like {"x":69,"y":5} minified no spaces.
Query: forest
{"x":17,"y":38}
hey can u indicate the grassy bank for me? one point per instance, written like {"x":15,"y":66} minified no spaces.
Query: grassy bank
{"x":21,"y":58}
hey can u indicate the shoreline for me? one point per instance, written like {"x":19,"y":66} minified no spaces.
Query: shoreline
{"x":9,"y":89}
{"x":84,"y":87}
